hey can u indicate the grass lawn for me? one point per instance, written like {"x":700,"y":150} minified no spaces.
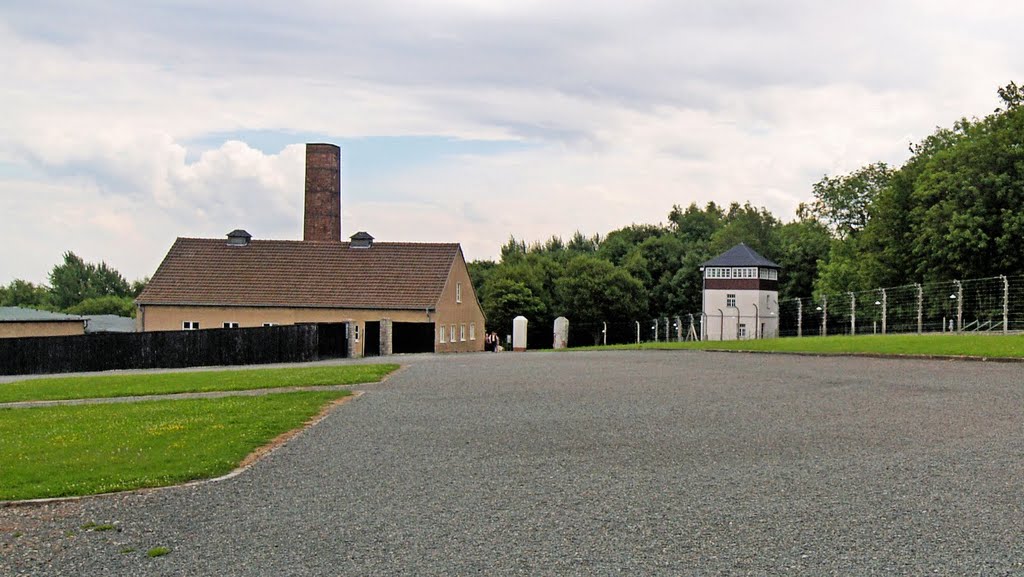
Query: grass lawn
{"x":991,"y":346}
{"x":87,"y":449}
{"x":105,"y":386}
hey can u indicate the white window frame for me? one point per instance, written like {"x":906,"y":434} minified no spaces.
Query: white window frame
{"x":355,"y":332}
{"x":741,"y":331}
{"x":472,"y":331}
{"x":442,"y":334}
{"x":451,"y":335}
{"x":230,"y":325}
{"x":268,"y":324}
{"x":190,"y":325}
{"x":462,"y":332}
{"x":458,"y":292}
{"x":730,"y":300}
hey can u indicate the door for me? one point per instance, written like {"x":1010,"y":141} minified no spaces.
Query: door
{"x":371,"y":339}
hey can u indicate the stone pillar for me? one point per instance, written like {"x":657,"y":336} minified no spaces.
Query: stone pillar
{"x":386,"y":330}
{"x":561,"y":340}
{"x":350,"y":339}
{"x":519,"y":333}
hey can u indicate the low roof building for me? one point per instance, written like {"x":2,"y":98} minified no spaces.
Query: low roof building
{"x":24,"y":322}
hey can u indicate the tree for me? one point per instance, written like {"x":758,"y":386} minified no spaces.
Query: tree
{"x":843,"y":202}
{"x":594,"y":290}
{"x":505,"y":299}
{"x":20,"y":293}
{"x":800,"y":246}
{"x":105,"y":305}
{"x":747,"y":224}
{"x":74,"y":280}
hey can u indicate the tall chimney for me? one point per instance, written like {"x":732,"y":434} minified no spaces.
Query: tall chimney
{"x":322,"y":220}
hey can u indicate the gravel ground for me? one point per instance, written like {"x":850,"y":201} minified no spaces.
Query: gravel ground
{"x":631,"y":463}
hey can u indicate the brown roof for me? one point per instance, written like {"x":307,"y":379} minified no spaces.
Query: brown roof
{"x":387,"y":275}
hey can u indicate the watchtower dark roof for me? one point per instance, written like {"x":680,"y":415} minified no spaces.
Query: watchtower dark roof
{"x":741,"y":255}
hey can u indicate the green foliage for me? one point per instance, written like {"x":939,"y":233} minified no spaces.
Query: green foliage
{"x":843,"y":202}
{"x":594,"y":290}
{"x":505,"y":299}
{"x":21,"y":293}
{"x":106,"y":305}
{"x":87,"y":449}
{"x":74,"y":281}
{"x":107,"y":386}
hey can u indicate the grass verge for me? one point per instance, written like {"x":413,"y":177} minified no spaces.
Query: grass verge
{"x":87,"y":449}
{"x":988,"y":346}
{"x":106,"y":386}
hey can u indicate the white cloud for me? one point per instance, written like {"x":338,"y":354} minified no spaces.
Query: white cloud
{"x":625,"y":110}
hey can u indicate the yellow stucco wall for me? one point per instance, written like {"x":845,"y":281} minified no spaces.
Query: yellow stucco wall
{"x":10,"y":330}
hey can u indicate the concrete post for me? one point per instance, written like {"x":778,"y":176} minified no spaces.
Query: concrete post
{"x":959,"y":305}
{"x":799,"y":318}
{"x":853,"y":314}
{"x":1006,"y":304}
{"x":920,"y":308}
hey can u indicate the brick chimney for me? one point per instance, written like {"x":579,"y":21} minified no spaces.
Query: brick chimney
{"x":322,"y":220}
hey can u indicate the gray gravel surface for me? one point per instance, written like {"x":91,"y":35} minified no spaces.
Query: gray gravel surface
{"x":610,"y":463}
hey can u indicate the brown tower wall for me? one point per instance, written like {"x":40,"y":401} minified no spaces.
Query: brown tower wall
{"x":322,"y":216}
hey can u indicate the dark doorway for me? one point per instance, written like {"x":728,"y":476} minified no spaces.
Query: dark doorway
{"x":412,"y":338}
{"x":371,"y":339}
{"x":332,"y":339}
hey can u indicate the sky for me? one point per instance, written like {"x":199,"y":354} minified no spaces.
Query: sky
{"x":128,"y":124}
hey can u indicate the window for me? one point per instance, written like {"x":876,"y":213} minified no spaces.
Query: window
{"x":462,"y":332}
{"x":268,"y":324}
{"x":472,"y":331}
{"x":730,"y":300}
{"x":441,"y":334}
{"x":458,"y":293}
{"x":190,"y":325}
{"x":742,"y":331}
{"x":451,"y":335}
{"x":355,"y":333}
{"x":230,"y":325}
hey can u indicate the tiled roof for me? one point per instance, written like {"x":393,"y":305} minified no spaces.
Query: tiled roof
{"x":741,"y":255}
{"x":24,"y":315}
{"x":290,"y":273}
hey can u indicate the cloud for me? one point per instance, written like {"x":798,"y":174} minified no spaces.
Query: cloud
{"x":119,"y":118}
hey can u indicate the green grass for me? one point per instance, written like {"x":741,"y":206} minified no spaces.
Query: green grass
{"x":158,"y":551}
{"x":86,"y":449}
{"x":106,"y":386}
{"x":989,"y":346}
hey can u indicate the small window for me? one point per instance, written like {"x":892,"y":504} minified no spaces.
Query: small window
{"x":730,"y":300}
{"x":742,"y":331}
{"x":451,"y":335}
{"x":472,"y":331}
{"x":462,"y":332}
{"x":230,"y":325}
{"x":441,"y":334}
{"x":268,"y":324}
{"x":355,"y":333}
{"x":458,"y":293}
{"x":190,"y":325}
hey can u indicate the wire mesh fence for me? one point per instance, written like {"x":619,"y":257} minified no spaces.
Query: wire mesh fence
{"x":986,"y":305}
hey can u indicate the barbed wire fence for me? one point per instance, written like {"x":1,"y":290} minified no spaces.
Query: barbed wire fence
{"x":986,"y":305}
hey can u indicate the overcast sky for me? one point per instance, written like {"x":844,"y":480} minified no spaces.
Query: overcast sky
{"x":127,"y":124}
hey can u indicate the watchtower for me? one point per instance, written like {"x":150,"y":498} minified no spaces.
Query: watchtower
{"x":741,"y":296}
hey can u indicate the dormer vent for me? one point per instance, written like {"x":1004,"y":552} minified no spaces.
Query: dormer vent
{"x":239,"y":237}
{"x":361,"y":239}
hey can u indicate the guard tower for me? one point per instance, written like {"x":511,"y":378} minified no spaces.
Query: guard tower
{"x":741,"y":296}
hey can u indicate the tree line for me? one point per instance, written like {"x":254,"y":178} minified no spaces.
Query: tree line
{"x":953,"y":210}
{"x":77,"y":287}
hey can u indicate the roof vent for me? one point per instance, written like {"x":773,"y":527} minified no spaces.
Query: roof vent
{"x":361,"y":239}
{"x":238,"y":237}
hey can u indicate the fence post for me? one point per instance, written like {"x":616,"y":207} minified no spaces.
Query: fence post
{"x":655,"y":330}
{"x":959,"y":305}
{"x":824,"y":316}
{"x":885,"y":310}
{"x":921,"y":307}
{"x":853,"y":314}
{"x":604,"y":334}
{"x":1006,"y":303}
{"x":637,"y":332}
{"x":799,"y":318}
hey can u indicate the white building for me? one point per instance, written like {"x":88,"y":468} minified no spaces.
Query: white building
{"x":741,"y":296}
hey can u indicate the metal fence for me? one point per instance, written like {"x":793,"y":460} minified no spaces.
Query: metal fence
{"x":987,"y":305}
